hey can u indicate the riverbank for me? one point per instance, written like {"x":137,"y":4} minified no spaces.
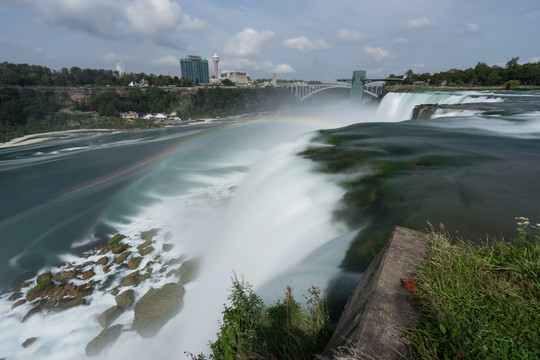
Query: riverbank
{"x":479,"y":301}
{"x":40,"y":137}
{"x":426,"y":297}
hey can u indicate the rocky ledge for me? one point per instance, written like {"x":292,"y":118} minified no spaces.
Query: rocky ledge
{"x":115,"y":269}
{"x":381,"y":306}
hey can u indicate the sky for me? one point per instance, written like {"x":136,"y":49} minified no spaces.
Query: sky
{"x":297,"y":39}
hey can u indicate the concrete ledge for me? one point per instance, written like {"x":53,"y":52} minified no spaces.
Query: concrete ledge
{"x":371,"y":323}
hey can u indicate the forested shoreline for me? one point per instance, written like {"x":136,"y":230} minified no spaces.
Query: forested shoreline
{"x":513,"y":74}
{"x":26,"y":107}
{"x":30,"y":110}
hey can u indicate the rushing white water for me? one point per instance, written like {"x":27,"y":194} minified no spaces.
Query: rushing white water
{"x":240,"y":200}
{"x":400,"y":106}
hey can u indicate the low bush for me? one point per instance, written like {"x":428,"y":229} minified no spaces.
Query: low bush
{"x":287,"y":330}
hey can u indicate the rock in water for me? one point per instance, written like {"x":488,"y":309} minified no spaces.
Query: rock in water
{"x":125,"y":299}
{"x":157,"y":307}
{"x":109,"y":315}
{"x":105,"y":338}
{"x":188,"y":270}
{"x":29,"y":342}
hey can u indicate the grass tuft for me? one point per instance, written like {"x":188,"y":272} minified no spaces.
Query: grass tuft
{"x":479,"y":302}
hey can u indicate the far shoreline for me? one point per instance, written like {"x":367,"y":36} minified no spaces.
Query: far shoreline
{"x":29,"y":139}
{"x":40,"y":137}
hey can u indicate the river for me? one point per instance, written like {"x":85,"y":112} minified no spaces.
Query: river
{"x":237,"y":195}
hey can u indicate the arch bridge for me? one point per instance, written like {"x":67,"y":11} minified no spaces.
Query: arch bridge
{"x":358,"y":84}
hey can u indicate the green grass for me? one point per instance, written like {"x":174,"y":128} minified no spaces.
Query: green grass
{"x":479,"y":301}
{"x":287,"y":330}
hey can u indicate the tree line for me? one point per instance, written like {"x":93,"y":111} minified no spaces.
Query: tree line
{"x":218,"y":101}
{"x":481,"y":75}
{"x":150,"y":100}
{"x":26,"y":110}
{"x":37,"y":75}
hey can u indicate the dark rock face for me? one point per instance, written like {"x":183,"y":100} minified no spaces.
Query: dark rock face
{"x":156,"y":308}
{"x":106,"y":337}
{"x":370,"y":326}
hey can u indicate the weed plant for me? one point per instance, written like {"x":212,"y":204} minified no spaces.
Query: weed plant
{"x":480,"y":302}
{"x":287,"y":330}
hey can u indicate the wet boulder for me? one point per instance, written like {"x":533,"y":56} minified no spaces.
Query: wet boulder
{"x":126,"y":299}
{"x":108,"y":316}
{"x":105,"y":338}
{"x":156,"y":308}
{"x":29,"y":342}
{"x":188,"y":270}
{"x":134,"y":262}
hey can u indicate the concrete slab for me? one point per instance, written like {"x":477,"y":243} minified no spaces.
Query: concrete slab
{"x":371,"y":323}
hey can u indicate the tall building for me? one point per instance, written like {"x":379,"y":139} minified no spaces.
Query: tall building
{"x":195,"y":68}
{"x":216,"y":61}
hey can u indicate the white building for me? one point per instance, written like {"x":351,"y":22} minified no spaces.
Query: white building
{"x":238,"y":77}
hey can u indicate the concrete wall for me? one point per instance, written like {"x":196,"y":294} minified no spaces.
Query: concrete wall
{"x":380,"y":307}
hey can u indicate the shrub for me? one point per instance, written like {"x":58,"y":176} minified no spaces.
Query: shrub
{"x":250,"y":330}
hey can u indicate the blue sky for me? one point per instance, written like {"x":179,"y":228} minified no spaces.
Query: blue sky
{"x":298,"y":39}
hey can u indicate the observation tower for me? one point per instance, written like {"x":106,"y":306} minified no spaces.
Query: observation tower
{"x":215,"y":58}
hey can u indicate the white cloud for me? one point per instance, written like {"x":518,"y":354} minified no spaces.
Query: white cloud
{"x":350,"y":36}
{"x":168,"y":60}
{"x":418,"y":66}
{"x":401,"y":41}
{"x":283,"y":69}
{"x":534,"y":59}
{"x":472,"y":27}
{"x":418,"y":23}
{"x":303,"y":44}
{"x":157,"y":21}
{"x":158,"y":17}
{"x":377,"y":52}
{"x":247,"y":43}
{"x":249,"y":65}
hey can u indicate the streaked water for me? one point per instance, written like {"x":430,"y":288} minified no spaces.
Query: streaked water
{"x":236,"y":195}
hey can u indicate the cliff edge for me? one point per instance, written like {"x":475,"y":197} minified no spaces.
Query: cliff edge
{"x":371,"y":324}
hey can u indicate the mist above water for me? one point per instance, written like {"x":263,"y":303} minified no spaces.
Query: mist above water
{"x":234,"y":195}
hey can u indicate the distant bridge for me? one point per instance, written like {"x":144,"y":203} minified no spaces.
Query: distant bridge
{"x":358,"y":84}
{"x":305,"y":91}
